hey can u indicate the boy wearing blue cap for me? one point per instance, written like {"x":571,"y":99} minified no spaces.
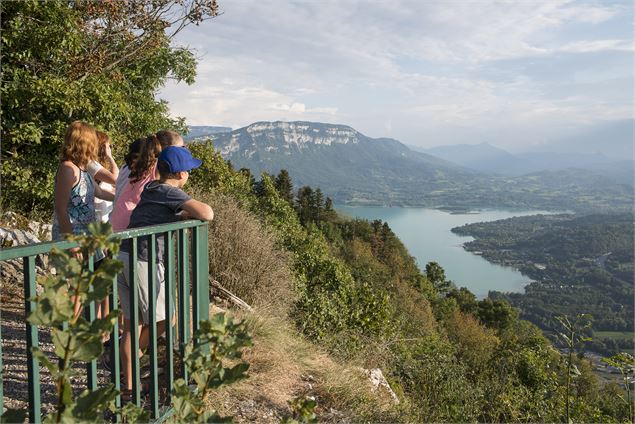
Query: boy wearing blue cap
{"x":162,"y":201}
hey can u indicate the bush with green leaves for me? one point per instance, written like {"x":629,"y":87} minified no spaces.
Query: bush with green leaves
{"x":217,"y":340}
{"x":303,"y":409}
{"x":625,"y":363}
{"x":572,"y":335}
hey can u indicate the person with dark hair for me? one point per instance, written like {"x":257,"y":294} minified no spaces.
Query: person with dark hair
{"x":133,"y":152}
{"x":162,"y":201}
{"x":140,"y":169}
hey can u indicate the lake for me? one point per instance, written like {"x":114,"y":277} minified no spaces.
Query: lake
{"x":426,"y":233}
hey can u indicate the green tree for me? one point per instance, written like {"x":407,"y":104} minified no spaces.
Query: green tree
{"x":246,"y":172}
{"x":101,"y":62}
{"x":329,"y":213}
{"x":284,"y":186}
{"x":304,"y":204}
{"x":465,"y":299}
{"x":436,"y":275}
{"x":497,"y":314}
{"x":328,"y":204}
{"x":318,"y":205}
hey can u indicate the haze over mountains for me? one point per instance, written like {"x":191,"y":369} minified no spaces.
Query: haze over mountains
{"x":354,"y":168}
{"x":487,"y":158}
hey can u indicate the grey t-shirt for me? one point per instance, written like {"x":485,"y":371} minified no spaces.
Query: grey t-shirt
{"x":159,"y":204}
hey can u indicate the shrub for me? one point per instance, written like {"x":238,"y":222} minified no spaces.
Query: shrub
{"x":244,"y":258}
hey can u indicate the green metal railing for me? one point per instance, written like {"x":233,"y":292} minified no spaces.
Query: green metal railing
{"x":191,"y":236}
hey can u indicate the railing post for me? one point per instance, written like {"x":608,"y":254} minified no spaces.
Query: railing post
{"x":203,"y":272}
{"x":134,"y":321}
{"x":200,"y":267}
{"x":169,"y":311}
{"x":114,"y":347}
{"x":33,"y":367}
{"x":184,"y":296}
{"x":152,"y":315}
{"x":1,"y":372}
{"x":89,"y":313}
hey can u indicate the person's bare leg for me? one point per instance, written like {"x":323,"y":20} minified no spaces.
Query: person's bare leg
{"x":126,"y":363}
{"x":126,"y":356}
{"x":103,"y":309}
{"x":144,"y":337}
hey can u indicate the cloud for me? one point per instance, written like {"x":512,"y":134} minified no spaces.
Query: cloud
{"x":294,"y":107}
{"x":410,"y":67}
{"x":597,"y":46}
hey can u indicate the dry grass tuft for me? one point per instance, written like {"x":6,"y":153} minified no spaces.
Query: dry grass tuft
{"x":244,"y":257}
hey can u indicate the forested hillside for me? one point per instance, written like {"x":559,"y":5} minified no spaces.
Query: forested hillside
{"x":361,"y":296}
{"x":580,"y":264}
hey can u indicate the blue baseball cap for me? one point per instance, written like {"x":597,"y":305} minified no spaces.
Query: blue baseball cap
{"x":179,"y":159}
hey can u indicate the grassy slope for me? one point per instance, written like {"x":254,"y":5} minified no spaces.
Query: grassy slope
{"x":284,"y":365}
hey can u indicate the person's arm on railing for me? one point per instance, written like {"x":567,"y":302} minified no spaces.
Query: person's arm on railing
{"x":193,"y":209}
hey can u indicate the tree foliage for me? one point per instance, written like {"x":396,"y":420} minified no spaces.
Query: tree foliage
{"x":101,"y":62}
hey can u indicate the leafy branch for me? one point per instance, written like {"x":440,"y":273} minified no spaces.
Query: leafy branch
{"x":59,"y":307}
{"x":217,"y":340}
{"x":572,"y":335}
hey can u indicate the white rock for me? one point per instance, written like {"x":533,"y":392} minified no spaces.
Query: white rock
{"x":378,"y":381}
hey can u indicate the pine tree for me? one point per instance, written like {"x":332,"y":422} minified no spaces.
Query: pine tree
{"x":259,"y":187}
{"x":318,"y":205}
{"x":304,"y":202}
{"x":247,"y":173}
{"x":328,"y":205}
{"x":284,"y":186}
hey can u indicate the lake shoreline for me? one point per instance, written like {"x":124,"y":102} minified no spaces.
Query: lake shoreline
{"x":427,"y":234}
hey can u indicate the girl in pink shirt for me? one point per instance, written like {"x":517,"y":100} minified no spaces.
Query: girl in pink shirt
{"x":142,"y":170}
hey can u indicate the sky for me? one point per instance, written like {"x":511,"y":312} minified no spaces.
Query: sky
{"x":520,"y":75}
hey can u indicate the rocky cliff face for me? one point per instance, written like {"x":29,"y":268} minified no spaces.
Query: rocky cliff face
{"x":345,"y":163}
{"x":283,"y":137}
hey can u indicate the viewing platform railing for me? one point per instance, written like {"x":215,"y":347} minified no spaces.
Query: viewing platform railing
{"x":186,"y":270}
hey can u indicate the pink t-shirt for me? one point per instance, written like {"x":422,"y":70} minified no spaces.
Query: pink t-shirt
{"x":127,"y":200}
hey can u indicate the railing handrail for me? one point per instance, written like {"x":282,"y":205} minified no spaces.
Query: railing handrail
{"x":17,"y":252}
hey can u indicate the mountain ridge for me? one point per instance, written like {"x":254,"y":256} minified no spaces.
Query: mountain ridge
{"x":348,"y":164}
{"x":353,"y":168}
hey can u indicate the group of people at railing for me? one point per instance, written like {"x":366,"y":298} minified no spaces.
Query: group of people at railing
{"x":147,"y":190}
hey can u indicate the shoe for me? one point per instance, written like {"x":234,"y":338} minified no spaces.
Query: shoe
{"x":126,"y":394}
{"x":105,"y":359}
{"x":105,"y":356}
{"x":145,"y":373}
